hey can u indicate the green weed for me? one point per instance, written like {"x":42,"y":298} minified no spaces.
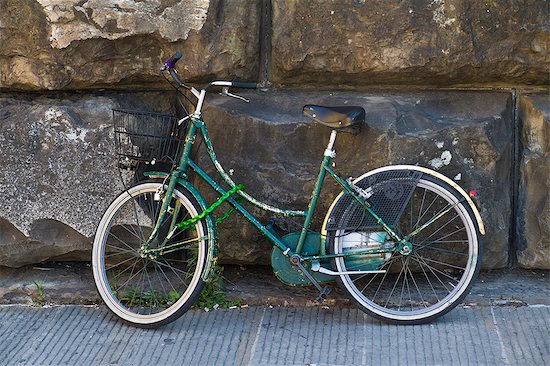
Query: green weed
{"x":213,"y":295}
{"x":39,"y":299}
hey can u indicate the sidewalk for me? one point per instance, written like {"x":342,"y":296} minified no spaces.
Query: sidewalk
{"x":84,"y":335}
{"x":504,"y":321}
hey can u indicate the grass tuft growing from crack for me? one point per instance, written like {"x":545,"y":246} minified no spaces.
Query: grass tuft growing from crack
{"x":39,"y":299}
{"x":214,"y":295}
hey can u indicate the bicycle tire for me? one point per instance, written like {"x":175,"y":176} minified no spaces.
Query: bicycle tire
{"x":155,"y":288}
{"x":430,"y":281}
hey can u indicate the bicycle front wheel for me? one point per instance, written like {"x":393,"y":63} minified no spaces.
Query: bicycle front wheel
{"x":149,"y":279}
{"x":419,"y":286}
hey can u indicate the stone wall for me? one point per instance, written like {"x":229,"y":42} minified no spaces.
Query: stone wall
{"x":276,"y":151}
{"x":416,"y":67}
{"x":533,"y":230}
{"x":75,"y":44}
{"x":58,"y":171}
{"x":437,"y":42}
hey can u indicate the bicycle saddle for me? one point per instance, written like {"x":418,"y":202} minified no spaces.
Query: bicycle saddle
{"x":335,"y":117}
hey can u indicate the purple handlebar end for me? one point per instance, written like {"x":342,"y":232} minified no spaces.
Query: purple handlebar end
{"x":171,"y":62}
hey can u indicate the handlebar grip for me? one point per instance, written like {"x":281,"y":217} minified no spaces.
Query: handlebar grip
{"x":241,"y":84}
{"x":171,"y":62}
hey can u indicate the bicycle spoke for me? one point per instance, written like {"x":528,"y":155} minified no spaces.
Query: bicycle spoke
{"x":151,"y":288}
{"x":132,"y":277}
{"x":167,"y":279}
{"x":429,"y":282}
{"x":119,"y":251}
{"x":175,"y":270}
{"x":403,"y":286}
{"x":446,"y":236}
{"x":388,"y":262}
{"x":160,"y":279}
{"x":127,"y":268}
{"x":425,"y":212}
{"x":443,"y":263}
{"x":132,"y":232}
{"x":121,"y":241}
{"x":393,"y":288}
{"x":435,"y":218}
{"x":415,"y":226}
{"x":421,"y":261}
{"x":382,"y":281}
{"x":417,"y":289}
{"x":442,"y":250}
{"x":124,"y":261}
{"x":407,"y":269}
{"x":179,"y":246}
{"x":137,"y":220}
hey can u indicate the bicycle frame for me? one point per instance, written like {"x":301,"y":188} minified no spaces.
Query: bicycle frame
{"x":197,"y":125}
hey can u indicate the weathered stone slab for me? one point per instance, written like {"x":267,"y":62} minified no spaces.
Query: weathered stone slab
{"x":75,"y":44}
{"x":271,"y":148}
{"x":533,"y":229}
{"x":426,"y":42}
{"x":58,"y":171}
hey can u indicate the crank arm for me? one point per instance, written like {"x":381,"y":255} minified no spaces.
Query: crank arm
{"x":324,"y":291}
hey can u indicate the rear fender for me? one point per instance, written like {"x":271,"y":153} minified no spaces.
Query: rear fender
{"x":440,"y":176}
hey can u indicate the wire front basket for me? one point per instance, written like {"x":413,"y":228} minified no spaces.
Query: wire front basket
{"x":145,"y":137}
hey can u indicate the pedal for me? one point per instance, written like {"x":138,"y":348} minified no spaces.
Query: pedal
{"x":323,"y":295}
{"x":323,"y":291}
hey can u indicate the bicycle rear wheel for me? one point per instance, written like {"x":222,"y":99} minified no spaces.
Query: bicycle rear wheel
{"x":145,"y":282}
{"x":425,"y":284}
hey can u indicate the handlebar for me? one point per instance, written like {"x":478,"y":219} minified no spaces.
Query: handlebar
{"x":246,"y":85}
{"x":175,"y":77}
{"x":235,"y":84}
{"x":170,"y":65}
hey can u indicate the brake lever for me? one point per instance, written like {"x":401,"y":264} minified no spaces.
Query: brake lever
{"x":225,"y":92}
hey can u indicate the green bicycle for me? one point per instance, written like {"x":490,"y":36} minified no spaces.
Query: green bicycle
{"x":403,"y":242}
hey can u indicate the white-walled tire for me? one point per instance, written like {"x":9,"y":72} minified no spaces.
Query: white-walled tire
{"x":427,"y":283}
{"x":153,"y":287}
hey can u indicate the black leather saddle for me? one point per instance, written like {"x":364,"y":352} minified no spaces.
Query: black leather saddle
{"x":336,"y":117}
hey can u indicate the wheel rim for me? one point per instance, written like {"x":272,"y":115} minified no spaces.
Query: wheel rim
{"x":147,"y":285}
{"x":434,"y":277}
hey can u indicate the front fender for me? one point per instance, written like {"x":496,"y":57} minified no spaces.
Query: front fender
{"x":212,"y":252}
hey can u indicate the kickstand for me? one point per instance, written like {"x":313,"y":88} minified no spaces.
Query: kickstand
{"x":323,"y":291}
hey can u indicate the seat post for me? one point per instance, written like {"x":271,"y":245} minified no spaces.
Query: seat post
{"x":330,"y":150}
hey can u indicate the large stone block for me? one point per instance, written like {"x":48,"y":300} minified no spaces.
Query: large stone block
{"x":58,"y":171}
{"x":74,"y":44}
{"x":426,"y":42}
{"x":533,"y":229}
{"x":275,"y":151}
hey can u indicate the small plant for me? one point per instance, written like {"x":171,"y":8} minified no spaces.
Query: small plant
{"x":213,"y":296}
{"x":39,"y":299}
